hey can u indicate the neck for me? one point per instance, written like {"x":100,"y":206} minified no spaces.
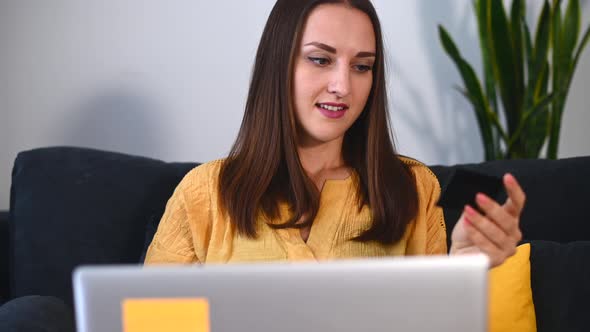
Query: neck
{"x":319,"y":158}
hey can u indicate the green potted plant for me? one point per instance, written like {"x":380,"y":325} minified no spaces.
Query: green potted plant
{"x":525,"y":78}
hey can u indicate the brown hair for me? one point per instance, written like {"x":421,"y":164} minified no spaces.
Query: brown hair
{"x":263,"y":166}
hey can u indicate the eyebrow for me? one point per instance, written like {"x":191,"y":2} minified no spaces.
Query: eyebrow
{"x":331,"y":49}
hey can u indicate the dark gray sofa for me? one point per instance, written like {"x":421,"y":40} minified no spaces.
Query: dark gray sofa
{"x":72,"y":206}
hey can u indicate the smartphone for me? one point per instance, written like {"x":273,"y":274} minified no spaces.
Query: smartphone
{"x":465,"y":184}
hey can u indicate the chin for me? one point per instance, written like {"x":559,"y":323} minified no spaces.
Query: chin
{"x":326,"y":137}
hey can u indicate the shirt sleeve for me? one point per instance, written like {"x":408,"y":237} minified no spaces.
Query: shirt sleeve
{"x":428,"y":234}
{"x":186,"y":214}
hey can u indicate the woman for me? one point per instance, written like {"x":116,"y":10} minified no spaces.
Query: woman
{"x":313,"y":174}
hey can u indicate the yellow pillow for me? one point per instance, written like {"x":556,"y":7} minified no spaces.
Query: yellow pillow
{"x":511,"y":305}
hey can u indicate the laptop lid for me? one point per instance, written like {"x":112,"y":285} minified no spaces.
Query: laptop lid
{"x":434,"y":293}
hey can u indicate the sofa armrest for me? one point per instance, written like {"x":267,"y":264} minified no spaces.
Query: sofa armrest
{"x":4,"y":257}
{"x":76,"y":206}
{"x":559,"y":281}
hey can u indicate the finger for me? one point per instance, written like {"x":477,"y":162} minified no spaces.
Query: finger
{"x":516,"y":196}
{"x":488,"y":228}
{"x":495,"y":255}
{"x":497,"y":213}
{"x":511,"y":208}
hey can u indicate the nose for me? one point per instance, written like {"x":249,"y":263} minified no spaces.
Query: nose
{"x":340,"y":82}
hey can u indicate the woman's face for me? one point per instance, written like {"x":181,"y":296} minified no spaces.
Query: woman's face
{"x":333,"y":72}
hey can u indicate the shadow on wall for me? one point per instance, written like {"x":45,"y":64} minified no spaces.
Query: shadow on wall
{"x":456,"y":126}
{"x":121,"y":119}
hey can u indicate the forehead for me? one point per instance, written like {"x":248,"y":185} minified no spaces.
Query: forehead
{"x":340,"y":26}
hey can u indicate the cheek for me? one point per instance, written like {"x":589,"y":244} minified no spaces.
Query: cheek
{"x":301,"y":89}
{"x":302,"y":95}
{"x":307,"y":82}
{"x":363,"y":87}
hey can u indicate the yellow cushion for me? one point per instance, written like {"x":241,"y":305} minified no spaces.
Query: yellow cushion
{"x":511,"y":299}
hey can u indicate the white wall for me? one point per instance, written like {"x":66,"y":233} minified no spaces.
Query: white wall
{"x":169,"y":79}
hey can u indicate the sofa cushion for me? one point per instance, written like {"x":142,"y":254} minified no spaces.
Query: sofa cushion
{"x":511,"y":299}
{"x":560,"y":280}
{"x":557,"y":194}
{"x":72,"y":206}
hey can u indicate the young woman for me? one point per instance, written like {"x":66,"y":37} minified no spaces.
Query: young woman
{"x":313,"y":174}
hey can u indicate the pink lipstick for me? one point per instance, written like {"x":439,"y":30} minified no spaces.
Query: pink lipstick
{"x":332,"y":110}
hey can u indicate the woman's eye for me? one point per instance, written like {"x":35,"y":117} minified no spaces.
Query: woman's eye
{"x":319,"y":61}
{"x":363,"y":68}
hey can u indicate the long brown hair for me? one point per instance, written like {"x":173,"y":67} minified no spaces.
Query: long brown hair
{"x":263,"y":166}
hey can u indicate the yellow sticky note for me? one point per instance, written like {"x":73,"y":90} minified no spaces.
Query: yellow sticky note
{"x":170,"y":314}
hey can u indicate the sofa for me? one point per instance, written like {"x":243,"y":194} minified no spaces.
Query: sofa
{"x":71,"y":206}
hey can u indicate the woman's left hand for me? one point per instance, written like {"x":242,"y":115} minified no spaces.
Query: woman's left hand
{"x":495,"y":233}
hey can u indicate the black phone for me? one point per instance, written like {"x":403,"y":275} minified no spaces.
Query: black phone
{"x":465,"y":184}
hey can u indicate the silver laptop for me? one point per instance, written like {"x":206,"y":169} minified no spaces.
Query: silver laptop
{"x":398,"y":294}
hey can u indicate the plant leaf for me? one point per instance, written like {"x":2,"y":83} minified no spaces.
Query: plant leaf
{"x":557,"y":79}
{"x":473,"y":89}
{"x":517,"y":15}
{"x":505,"y":65}
{"x":492,"y":151}
{"x":449,"y":45}
{"x":528,"y":43}
{"x":540,"y":87}
{"x":540,"y":106}
{"x":536,"y":128}
{"x":481,"y":11}
{"x":528,"y":99}
{"x":483,"y":22}
{"x":571,"y":27}
{"x":536,"y":134}
{"x":528,"y":115}
{"x":541,"y":48}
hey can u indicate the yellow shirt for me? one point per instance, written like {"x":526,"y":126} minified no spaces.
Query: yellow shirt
{"x":193,"y":230}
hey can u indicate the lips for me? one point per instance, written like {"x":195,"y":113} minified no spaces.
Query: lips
{"x":332,"y":110}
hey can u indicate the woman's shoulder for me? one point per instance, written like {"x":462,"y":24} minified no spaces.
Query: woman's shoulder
{"x":202,"y":176}
{"x":423,"y":174}
{"x":208,"y":168}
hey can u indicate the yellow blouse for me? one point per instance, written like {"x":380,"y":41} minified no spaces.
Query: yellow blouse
{"x":193,"y":230}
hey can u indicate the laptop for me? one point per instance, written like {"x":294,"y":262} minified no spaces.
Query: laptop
{"x":432,"y":293}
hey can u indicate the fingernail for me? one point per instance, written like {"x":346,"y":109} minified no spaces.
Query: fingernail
{"x":508,"y":177}
{"x":482,"y":199}
{"x":469,"y":211}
